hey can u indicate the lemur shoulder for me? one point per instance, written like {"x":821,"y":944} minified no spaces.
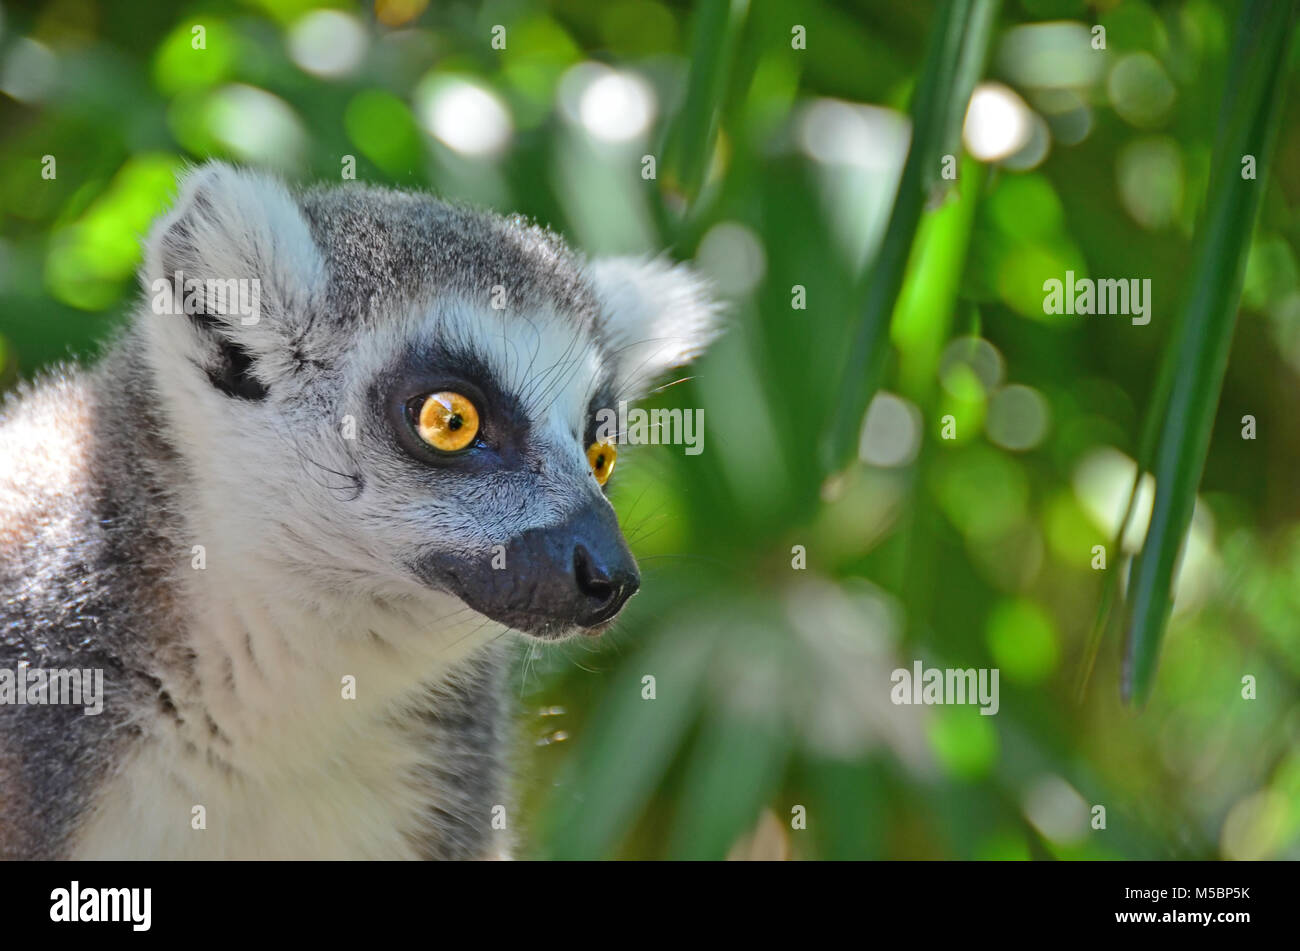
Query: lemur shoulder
{"x":377,"y":476}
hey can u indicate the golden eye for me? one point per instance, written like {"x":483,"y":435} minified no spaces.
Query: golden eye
{"x":601,"y":457}
{"x":448,"y":421}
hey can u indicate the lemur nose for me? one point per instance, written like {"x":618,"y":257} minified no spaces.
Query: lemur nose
{"x":605,"y":587}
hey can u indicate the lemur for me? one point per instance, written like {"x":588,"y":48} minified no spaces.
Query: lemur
{"x":295,"y":542}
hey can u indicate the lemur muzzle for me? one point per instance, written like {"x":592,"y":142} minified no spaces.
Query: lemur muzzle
{"x":579,"y":573}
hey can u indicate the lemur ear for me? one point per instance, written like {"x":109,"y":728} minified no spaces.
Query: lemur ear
{"x":655,"y":314}
{"x":236,"y":257}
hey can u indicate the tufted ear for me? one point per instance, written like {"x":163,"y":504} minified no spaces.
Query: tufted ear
{"x":655,"y":314}
{"x":236,"y":258}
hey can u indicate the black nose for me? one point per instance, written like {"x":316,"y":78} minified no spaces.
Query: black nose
{"x":575,"y":574}
{"x":605,"y":584}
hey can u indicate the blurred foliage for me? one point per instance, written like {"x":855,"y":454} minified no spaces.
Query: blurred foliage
{"x":777,"y":168}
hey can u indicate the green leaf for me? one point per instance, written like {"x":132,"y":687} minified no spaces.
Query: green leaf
{"x":737,"y":761}
{"x":1197,"y":357}
{"x":688,"y":146}
{"x":954,"y":61}
{"x":629,"y":743}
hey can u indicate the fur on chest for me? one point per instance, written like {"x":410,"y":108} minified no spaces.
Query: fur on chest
{"x":392,"y":797}
{"x":260,"y":752}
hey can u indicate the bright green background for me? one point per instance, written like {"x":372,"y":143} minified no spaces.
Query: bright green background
{"x":772,"y":684}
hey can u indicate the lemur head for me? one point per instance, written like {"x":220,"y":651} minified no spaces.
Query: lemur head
{"x":389,"y":395}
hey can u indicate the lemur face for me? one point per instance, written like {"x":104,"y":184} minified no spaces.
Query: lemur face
{"x":412,"y":408}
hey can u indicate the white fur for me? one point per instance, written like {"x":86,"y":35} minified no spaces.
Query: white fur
{"x":657,"y":315}
{"x":314,"y":775}
{"x":250,"y":228}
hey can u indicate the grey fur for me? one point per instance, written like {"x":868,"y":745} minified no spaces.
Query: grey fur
{"x":383,"y":245}
{"x":465,"y":726}
{"x":102,"y":601}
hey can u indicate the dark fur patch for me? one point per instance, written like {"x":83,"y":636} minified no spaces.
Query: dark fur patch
{"x":465,"y":720}
{"x":100,"y":599}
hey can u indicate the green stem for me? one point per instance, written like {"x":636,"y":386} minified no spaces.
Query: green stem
{"x":954,"y":61}
{"x":1199,"y":350}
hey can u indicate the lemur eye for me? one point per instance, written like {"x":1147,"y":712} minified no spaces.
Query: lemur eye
{"x":448,"y":421}
{"x":601,"y":457}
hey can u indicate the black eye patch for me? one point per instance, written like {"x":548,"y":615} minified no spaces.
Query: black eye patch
{"x":419,"y":372}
